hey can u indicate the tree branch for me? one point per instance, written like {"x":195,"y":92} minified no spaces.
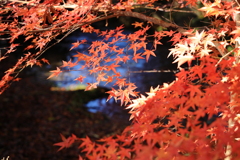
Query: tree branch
{"x":115,"y":14}
{"x":150,"y":19}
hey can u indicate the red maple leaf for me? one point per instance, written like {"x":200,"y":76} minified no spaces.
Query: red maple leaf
{"x":55,"y":73}
{"x":75,"y":45}
{"x":148,"y":53}
{"x":169,"y":33}
{"x":113,"y":67}
{"x":66,"y":142}
{"x":137,"y":24}
{"x":91,"y":86}
{"x":80,"y":78}
{"x":45,"y":61}
{"x":137,"y":56}
{"x":236,"y":32}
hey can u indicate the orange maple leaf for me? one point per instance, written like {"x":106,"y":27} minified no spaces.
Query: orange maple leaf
{"x":3,"y":57}
{"x":137,"y":24}
{"x":236,"y":32}
{"x":125,"y":59}
{"x":75,"y":45}
{"x":136,"y":57}
{"x":109,"y":79}
{"x":91,"y":86}
{"x":55,"y":73}
{"x":45,"y":61}
{"x":31,"y":62}
{"x":212,"y":9}
{"x":80,"y":78}
{"x":113,"y":67}
{"x":148,"y":53}
{"x":169,"y":33}
{"x":134,"y":47}
{"x":66,"y":142}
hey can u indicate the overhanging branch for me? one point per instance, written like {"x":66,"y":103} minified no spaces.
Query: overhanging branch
{"x":115,"y":14}
{"x":109,"y":13}
{"x":150,"y":19}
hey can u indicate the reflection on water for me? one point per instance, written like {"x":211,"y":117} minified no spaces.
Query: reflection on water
{"x":110,"y":108}
{"x":102,"y":105}
{"x":94,"y":105}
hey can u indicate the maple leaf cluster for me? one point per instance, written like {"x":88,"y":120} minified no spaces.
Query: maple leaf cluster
{"x":187,"y":119}
{"x":194,"y":117}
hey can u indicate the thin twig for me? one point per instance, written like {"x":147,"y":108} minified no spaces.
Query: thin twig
{"x":155,"y":71}
{"x":223,"y":57}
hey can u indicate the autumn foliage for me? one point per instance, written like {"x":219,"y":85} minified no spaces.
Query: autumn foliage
{"x":195,"y":117}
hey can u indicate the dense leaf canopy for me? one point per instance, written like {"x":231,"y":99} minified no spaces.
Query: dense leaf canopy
{"x":194,"y":117}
